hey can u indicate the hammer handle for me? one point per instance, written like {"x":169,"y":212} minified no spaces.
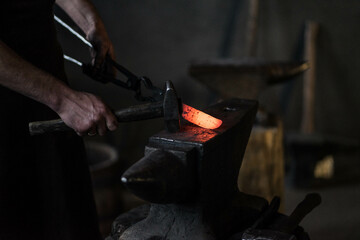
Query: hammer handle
{"x":133,"y":113}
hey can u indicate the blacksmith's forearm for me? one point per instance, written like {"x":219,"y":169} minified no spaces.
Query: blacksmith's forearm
{"x":83,"y":13}
{"x":21,"y":76}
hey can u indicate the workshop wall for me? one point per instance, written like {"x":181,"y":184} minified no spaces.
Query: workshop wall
{"x":160,"y":38}
{"x":337,"y":86}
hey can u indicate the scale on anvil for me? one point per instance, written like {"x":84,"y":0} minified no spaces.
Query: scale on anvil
{"x":164,"y":103}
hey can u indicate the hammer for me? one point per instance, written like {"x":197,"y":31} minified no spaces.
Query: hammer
{"x":170,"y":109}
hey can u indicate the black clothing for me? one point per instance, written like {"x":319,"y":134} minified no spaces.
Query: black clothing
{"x":45,"y":186}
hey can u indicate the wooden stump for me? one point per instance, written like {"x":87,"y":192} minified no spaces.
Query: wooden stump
{"x":262,"y":170}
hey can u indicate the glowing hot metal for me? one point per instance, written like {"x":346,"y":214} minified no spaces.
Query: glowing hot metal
{"x":200,"y":118}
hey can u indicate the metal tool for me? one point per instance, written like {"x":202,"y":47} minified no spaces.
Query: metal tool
{"x":260,"y":223}
{"x":133,"y":81}
{"x":282,"y":227}
{"x":268,"y":214}
{"x":170,"y":108}
{"x":288,"y":225}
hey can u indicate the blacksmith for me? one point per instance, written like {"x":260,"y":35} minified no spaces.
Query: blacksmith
{"x":45,"y":187}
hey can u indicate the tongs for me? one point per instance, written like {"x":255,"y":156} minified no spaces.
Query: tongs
{"x":133,"y":81}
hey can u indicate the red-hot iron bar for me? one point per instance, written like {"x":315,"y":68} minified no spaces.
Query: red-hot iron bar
{"x":200,"y":118}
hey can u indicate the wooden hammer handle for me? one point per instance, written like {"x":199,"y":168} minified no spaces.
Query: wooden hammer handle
{"x":134,"y":113}
{"x":40,"y":127}
{"x":308,"y":117}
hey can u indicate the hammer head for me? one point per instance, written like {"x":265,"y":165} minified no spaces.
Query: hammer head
{"x":172,"y":108}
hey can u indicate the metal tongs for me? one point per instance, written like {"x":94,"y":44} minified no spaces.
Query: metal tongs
{"x":133,"y":81}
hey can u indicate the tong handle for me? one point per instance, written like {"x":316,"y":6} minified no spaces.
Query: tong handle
{"x":103,"y":77}
{"x":122,"y":69}
{"x":133,"y":82}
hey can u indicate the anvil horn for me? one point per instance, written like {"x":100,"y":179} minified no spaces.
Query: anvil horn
{"x":161,"y":177}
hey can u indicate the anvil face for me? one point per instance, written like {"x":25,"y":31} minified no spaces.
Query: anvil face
{"x":231,"y":112}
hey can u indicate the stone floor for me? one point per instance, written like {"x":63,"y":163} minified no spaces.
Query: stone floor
{"x":338,"y":216}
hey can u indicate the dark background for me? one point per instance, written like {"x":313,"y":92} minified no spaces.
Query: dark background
{"x":160,"y":38}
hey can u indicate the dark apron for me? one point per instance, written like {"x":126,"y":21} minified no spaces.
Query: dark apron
{"x":45,"y":186}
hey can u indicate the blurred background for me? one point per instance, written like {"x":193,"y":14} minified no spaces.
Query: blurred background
{"x":168,"y":40}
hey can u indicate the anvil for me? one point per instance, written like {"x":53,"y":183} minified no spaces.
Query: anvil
{"x":190,"y":178}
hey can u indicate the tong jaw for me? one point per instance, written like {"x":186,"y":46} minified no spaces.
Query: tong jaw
{"x":133,"y":82}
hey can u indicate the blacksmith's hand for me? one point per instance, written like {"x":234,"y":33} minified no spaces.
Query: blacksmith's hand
{"x":86,"y":114}
{"x":84,"y":14}
{"x":102,"y":49}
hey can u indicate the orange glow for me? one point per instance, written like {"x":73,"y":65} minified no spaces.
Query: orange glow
{"x":200,"y":118}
